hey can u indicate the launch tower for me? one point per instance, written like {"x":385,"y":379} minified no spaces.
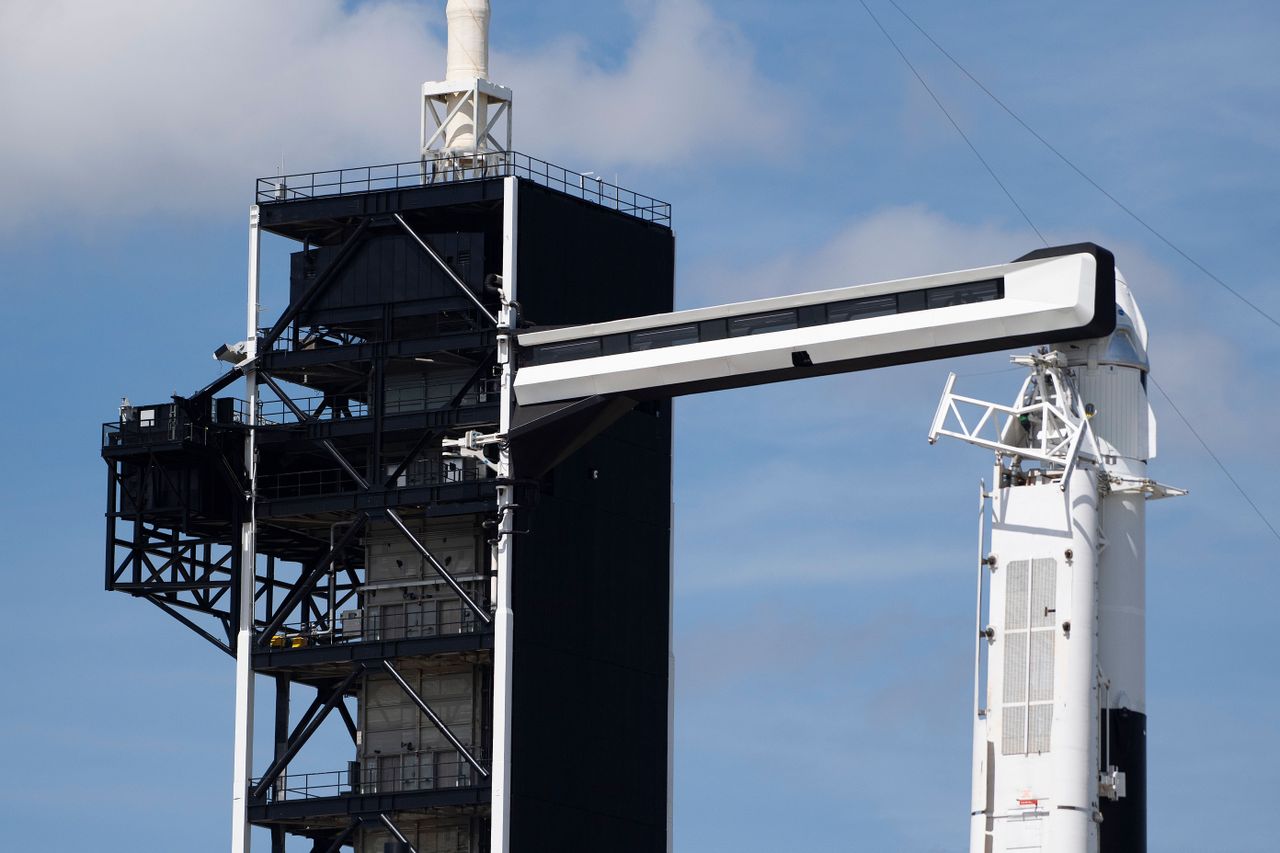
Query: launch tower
{"x":350,"y":522}
{"x":439,"y":515}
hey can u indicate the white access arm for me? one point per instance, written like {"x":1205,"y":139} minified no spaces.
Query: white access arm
{"x":1057,"y":294}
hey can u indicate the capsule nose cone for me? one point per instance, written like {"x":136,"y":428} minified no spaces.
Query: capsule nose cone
{"x":1127,"y":345}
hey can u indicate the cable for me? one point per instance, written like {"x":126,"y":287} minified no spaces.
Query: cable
{"x":990,"y":372}
{"x":1214,"y":456}
{"x":954,"y":124}
{"x":1079,"y":171}
{"x":1095,"y":184}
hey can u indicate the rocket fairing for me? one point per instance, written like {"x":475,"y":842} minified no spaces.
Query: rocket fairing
{"x":1059,"y":757}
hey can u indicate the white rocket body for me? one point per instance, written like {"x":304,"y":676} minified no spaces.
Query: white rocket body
{"x":1065,"y":649}
{"x":468,"y":59}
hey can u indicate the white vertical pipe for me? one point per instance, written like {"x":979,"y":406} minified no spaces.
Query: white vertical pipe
{"x":241,"y":830}
{"x":468,"y":52}
{"x":468,"y":59}
{"x":979,"y":807}
{"x":503,"y":550}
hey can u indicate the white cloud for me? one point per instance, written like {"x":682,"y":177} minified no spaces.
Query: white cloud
{"x":688,"y":85}
{"x":174,"y":106}
{"x":893,"y":243}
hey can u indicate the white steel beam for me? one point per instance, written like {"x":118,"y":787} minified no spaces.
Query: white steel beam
{"x":1040,"y":299}
{"x":500,"y":797}
{"x":243,"y":750}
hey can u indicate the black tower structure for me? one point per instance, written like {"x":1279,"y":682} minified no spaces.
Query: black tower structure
{"x":479,"y":591}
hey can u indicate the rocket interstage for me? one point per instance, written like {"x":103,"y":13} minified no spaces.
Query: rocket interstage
{"x":1059,"y":759}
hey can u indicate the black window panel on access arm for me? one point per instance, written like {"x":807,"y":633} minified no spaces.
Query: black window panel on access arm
{"x":946,"y":296}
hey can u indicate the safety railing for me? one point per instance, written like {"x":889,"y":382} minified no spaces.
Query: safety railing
{"x":158,"y":431}
{"x":326,"y":407}
{"x":431,"y":471}
{"x":496,"y":164}
{"x":301,"y":338}
{"x":400,"y":400}
{"x":418,"y":619}
{"x":439,"y":395}
{"x":425,"y":770}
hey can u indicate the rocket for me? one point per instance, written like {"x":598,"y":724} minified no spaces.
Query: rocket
{"x":1059,"y":742}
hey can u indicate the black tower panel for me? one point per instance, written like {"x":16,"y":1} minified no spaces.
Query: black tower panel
{"x":388,"y":268}
{"x":591,"y":578}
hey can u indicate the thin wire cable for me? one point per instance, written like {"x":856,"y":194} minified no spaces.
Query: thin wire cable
{"x":1136,"y":218}
{"x":990,"y":372}
{"x":954,"y":124}
{"x":1239,"y":488}
{"x":1214,"y":456}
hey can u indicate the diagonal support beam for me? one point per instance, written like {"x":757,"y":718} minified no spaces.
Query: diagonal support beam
{"x":277,"y":767}
{"x":435,"y":256}
{"x":325,"y":443}
{"x":344,"y":464}
{"x":485,"y":364}
{"x":480,"y":612}
{"x":408,"y":458}
{"x":314,"y":708}
{"x":350,"y":722}
{"x":307,"y":582}
{"x":341,"y":838}
{"x":192,"y":625}
{"x":191,"y":404}
{"x":435,"y":720}
{"x":345,"y":251}
{"x":298,"y":413}
{"x":395,"y":830}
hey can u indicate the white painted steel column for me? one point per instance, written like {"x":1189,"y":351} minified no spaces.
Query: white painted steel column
{"x":243,"y":755}
{"x":500,"y":802}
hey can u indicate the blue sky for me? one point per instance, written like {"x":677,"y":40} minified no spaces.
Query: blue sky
{"x":823,"y":549}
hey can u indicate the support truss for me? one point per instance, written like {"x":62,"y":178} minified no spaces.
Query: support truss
{"x":1047,"y":424}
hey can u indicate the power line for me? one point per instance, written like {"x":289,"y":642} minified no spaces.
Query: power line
{"x":1080,"y":172}
{"x":954,"y":124}
{"x":1136,"y":218}
{"x":1214,"y":456}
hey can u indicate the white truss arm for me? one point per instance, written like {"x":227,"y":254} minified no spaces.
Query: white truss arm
{"x":1048,"y":425}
